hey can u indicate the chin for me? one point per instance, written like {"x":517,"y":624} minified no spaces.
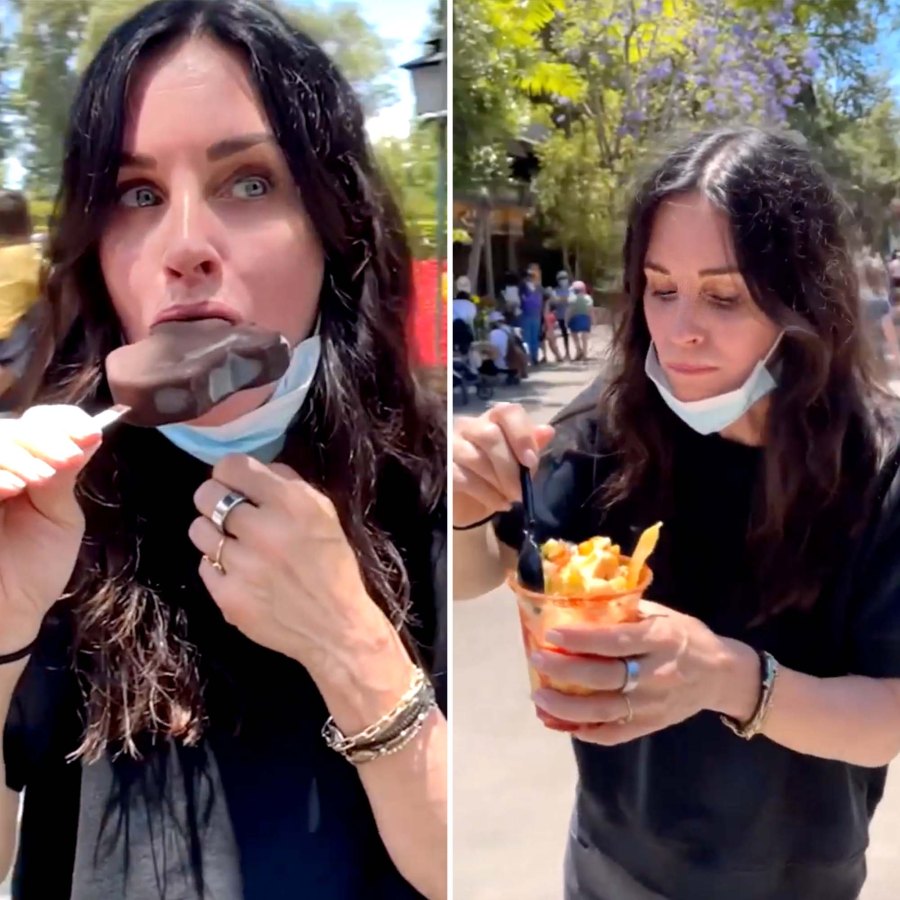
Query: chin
{"x":237,"y":405}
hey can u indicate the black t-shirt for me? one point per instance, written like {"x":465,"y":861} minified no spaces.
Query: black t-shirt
{"x":693,"y":812}
{"x":268,"y":809}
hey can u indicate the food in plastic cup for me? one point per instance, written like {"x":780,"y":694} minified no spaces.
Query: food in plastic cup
{"x":540,"y":613}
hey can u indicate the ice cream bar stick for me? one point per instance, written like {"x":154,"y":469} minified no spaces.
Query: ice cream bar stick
{"x":109,"y":416}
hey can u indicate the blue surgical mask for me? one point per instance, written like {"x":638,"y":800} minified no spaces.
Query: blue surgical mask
{"x":713,"y":414}
{"x":261,"y":432}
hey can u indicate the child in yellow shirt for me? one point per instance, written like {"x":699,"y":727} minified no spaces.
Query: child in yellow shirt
{"x":20,"y":269}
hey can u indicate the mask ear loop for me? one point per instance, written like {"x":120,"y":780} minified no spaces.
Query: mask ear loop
{"x":773,"y":348}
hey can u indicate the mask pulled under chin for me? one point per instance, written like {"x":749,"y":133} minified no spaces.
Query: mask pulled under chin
{"x":261,"y":432}
{"x":714,"y":414}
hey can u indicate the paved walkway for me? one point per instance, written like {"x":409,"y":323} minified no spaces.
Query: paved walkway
{"x":514,"y":780}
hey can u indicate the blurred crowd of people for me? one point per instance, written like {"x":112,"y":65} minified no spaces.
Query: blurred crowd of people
{"x":879,"y":295}
{"x":527,"y":325}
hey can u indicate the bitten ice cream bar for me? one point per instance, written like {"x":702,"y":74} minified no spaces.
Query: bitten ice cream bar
{"x":183,"y":369}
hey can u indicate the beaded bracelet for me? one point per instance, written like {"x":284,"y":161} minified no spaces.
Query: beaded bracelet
{"x":392,"y":731}
{"x":755,"y":725}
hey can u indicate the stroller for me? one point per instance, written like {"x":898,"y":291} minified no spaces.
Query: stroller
{"x":463,"y":373}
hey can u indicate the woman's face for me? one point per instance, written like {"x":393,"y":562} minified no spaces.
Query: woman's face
{"x":209,"y":222}
{"x":708,"y":331}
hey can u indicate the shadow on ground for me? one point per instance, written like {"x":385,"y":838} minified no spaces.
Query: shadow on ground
{"x":532,"y":393}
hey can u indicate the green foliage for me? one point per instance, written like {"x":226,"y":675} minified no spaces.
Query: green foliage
{"x":410,"y":167}
{"x":40,"y":210}
{"x":58,"y":38}
{"x":103,"y":17}
{"x":362,"y":55}
{"x":618,"y":81}
{"x":496,"y":64}
{"x":49,"y":35}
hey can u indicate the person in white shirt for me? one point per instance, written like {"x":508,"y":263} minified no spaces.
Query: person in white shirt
{"x":463,"y":306}
{"x":499,"y":338}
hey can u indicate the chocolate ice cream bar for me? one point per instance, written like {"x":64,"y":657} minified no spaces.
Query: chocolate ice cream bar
{"x":183,"y":369}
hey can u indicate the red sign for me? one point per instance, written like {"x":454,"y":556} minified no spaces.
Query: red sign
{"x":428,"y":321}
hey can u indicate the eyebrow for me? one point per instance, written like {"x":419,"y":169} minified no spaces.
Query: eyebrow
{"x":721,"y":270}
{"x":215,"y":152}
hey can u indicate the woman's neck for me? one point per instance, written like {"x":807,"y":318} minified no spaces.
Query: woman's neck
{"x":750,"y":428}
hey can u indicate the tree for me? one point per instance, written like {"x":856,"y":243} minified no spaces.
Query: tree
{"x":410,"y":166}
{"x":644,"y":72}
{"x":362,"y":55}
{"x":57,"y":38}
{"x":44,"y":53}
{"x":496,"y":51}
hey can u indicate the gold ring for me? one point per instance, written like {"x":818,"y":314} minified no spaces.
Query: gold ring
{"x":626,"y":719}
{"x":217,"y":562}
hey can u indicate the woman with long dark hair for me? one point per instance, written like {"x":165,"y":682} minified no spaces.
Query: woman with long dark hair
{"x":734,"y":742}
{"x":236,"y":695}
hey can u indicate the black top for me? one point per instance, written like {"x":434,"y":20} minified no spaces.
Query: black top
{"x":693,"y":812}
{"x":275,"y":813}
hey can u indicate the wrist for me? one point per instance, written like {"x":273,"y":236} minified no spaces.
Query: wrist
{"x":365,"y":677}
{"x":739,"y":681}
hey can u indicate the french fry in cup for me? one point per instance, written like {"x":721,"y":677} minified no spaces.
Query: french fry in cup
{"x":590,"y":582}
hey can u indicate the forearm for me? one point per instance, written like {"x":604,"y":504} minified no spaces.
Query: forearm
{"x":407,"y":790}
{"x":852,"y":718}
{"x":477,"y":564}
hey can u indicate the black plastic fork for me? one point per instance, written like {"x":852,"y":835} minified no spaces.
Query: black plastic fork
{"x":530,"y":567}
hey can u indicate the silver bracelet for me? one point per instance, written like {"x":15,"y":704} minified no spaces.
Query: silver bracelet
{"x":395,"y":744}
{"x":397,"y":723}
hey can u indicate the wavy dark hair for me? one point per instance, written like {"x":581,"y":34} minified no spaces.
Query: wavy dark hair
{"x":828,"y":425}
{"x":367,"y":417}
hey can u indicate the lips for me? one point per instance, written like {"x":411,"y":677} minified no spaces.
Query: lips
{"x":190,"y":312}
{"x":690,"y":369}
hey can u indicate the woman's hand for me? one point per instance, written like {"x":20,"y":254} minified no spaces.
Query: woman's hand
{"x":41,"y":523}
{"x":487,"y":452}
{"x":291,"y":581}
{"x":683,"y":670}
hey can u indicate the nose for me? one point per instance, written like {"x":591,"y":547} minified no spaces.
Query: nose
{"x":190,"y":256}
{"x":686,"y":327}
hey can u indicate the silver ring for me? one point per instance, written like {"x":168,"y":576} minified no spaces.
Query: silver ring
{"x":626,"y":719}
{"x":632,"y":674}
{"x":222,"y":509}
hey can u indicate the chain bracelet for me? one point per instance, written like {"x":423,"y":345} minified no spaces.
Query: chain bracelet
{"x":377,"y":732}
{"x":394,"y":745}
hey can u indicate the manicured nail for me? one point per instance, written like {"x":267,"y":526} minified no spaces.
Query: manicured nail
{"x":529,"y":459}
{"x":12,"y":482}
{"x":40,"y":469}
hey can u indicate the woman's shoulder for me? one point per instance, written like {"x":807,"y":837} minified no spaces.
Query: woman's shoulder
{"x":580,"y":426}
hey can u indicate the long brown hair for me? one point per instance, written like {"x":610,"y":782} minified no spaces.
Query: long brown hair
{"x":826,"y":432}
{"x":368,"y":425}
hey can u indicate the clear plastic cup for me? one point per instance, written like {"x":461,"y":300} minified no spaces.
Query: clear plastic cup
{"x":540,"y":613}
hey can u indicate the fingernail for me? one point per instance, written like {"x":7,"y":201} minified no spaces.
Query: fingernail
{"x":529,"y":459}
{"x":553,"y":636}
{"x":41,"y":469}
{"x":13,"y":482}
